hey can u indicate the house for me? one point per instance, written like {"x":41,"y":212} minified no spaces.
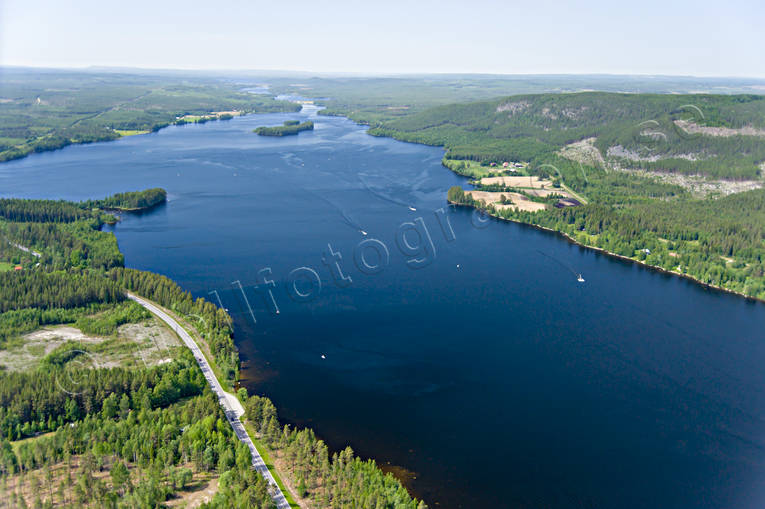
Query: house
{"x":18,"y":267}
{"x":505,"y":164}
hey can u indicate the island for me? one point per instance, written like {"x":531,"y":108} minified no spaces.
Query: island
{"x":290,"y":127}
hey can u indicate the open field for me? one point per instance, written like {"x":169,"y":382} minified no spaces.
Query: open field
{"x":131,"y":132}
{"x":518,"y":200}
{"x":135,"y":345}
{"x":532,"y":182}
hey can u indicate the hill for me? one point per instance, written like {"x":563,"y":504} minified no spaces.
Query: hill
{"x":674,"y":181}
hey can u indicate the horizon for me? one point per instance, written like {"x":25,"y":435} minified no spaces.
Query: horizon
{"x":399,"y":38}
{"x":319,"y":73}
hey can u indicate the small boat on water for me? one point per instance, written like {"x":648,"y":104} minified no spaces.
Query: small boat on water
{"x":412,"y":208}
{"x":363,"y":232}
{"x":580,"y":278}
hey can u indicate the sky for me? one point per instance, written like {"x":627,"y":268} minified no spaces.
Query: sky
{"x":699,"y":38}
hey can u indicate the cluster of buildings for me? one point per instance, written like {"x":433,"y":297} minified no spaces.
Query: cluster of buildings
{"x":510,"y":166}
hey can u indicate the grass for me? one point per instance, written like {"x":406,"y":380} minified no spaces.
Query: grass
{"x":15,"y":444}
{"x":5,"y":266}
{"x":579,"y":197}
{"x":476,"y":170}
{"x":204,"y":347}
{"x":130,"y":132}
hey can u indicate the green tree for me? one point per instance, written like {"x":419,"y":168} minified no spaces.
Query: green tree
{"x":120,"y":476}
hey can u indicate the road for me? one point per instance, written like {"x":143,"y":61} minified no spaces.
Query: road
{"x":231,"y":405}
{"x":26,"y":249}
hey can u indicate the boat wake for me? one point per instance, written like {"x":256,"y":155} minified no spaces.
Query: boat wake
{"x":347,"y":219}
{"x":383,"y":196}
{"x":566,"y":266}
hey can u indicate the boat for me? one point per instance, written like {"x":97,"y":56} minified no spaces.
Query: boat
{"x":580,"y":278}
{"x":412,"y":208}
{"x":363,"y":232}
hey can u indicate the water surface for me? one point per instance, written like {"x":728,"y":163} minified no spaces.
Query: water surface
{"x":487,"y":371}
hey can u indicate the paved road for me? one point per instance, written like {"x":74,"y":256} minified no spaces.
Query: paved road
{"x":231,"y":405}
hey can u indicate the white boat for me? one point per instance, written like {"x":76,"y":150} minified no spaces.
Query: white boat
{"x":580,"y":278}
{"x":363,"y":232}
{"x":412,"y":208}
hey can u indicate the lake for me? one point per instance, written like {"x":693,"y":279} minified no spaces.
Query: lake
{"x":459,"y":352}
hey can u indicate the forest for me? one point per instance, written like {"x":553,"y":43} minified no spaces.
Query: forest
{"x":139,"y":436}
{"x":637,"y":141}
{"x":43,"y":110}
{"x":61,"y":235}
{"x":641,"y":127}
{"x":339,"y":480}
{"x":60,"y":211}
{"x":130,"y":201}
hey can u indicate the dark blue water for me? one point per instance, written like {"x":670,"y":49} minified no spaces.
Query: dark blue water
{"x":468,"y":358}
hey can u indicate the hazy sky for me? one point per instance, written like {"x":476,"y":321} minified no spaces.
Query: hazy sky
{"x":701,"y":37}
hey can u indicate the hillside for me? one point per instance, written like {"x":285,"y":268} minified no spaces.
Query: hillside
{"x":674,"y":181}
{"x":44,"y":110}
{"x":645,"y":131}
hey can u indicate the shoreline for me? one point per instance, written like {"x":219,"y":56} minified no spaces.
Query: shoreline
{"x":566,"y":236}
{"x":656,"y":268}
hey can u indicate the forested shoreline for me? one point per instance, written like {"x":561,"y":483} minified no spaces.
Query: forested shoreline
{"x":717,"y":240}
{"x":136,"y":436}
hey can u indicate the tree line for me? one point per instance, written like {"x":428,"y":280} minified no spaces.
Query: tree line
{"x":215,"y":324}
{"x":341,"y":480}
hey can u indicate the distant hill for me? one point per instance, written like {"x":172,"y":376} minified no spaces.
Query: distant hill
{"x":637,"y":131}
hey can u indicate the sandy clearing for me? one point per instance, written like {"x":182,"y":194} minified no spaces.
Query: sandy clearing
{"x":196,"y":496}
{"x":152,"y":345}
{"x":699,"y":185}
{"x":583,"y":151}
{"x":201,"y":489}
{"x":725,"y":132}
